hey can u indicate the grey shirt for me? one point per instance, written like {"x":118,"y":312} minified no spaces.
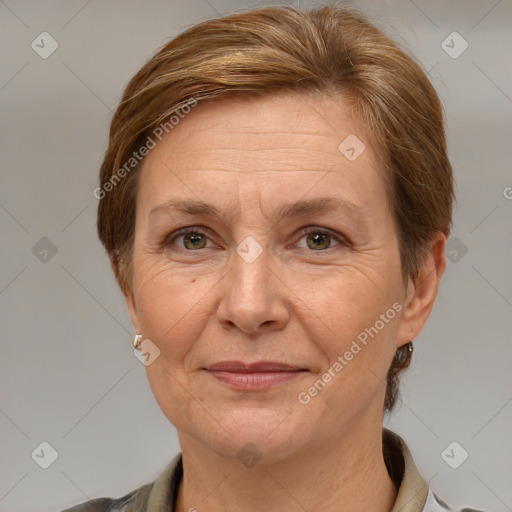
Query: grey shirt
{"x":414,"y":494}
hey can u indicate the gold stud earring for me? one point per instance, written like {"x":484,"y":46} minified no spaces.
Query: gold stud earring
{"x":137,"y":342}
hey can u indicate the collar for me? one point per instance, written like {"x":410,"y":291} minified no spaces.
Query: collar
{"x":412,"y":488}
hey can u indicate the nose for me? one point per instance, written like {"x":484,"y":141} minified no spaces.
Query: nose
{"x":254,"y":298}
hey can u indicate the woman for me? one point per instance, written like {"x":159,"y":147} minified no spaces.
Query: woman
{"x":275,"y":201}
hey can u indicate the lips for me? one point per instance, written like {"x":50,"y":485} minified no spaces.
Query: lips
{"x":259,"y":367}
{"x":255,"y":376}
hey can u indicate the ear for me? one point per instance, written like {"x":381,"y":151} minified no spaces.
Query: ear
{"x":422,"y":292}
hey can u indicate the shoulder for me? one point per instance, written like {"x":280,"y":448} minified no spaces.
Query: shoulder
{"x":131,"y":502}
{"x":157,"y":495}
{"x":414,"y":494}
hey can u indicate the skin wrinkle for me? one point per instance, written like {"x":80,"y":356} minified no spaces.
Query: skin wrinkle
{"x":235,"y":209}
{"x":176,"y":209}
{"x":287,"y":305}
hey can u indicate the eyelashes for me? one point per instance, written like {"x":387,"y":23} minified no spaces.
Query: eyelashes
{"x":198,"y":237}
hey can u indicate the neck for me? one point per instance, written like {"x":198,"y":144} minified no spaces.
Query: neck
{"x":346,"y":474}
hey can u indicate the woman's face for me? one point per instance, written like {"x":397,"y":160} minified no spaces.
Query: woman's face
{"x":292,"y":258}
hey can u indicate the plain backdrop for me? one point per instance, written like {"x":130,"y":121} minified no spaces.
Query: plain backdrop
{"x":68,"y":374}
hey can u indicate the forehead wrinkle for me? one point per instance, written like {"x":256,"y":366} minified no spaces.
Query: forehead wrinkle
{"x":308,"y":207}
{"x":225,"y":154}
{"x":300,"y":208}
{"x":281,"y":170}
{"x":241,"y":160}
{"x":194,"y":207}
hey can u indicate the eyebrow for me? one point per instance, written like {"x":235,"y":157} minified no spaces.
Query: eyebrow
{"x":301,"y":208}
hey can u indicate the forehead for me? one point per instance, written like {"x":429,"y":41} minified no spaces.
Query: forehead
{"x":264,"y":147}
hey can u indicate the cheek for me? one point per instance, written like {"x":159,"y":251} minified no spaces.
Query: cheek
{"x":343,"y":303}
{"x":357,"y":344}
{"x":170,"y":309}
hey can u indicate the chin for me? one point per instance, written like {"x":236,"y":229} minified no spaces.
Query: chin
{"x":255,"y":434}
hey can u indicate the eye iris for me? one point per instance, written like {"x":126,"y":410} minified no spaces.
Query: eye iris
{"x":320,"y":241}
{"x":195,"y":239}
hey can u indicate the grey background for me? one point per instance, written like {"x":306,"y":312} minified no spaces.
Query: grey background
{"x":68,"y":375}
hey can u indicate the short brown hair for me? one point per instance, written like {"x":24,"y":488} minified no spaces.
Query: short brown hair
{"x":327,"y":50}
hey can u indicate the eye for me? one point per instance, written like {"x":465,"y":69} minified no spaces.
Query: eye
{"x":193,"y":239}
{"x":319,"y":239}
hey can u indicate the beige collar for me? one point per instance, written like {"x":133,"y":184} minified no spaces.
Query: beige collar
{"x":412,"y":488}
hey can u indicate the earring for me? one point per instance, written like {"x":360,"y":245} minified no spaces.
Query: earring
{"x":410,"y":346}
{"x":137,"y":341}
